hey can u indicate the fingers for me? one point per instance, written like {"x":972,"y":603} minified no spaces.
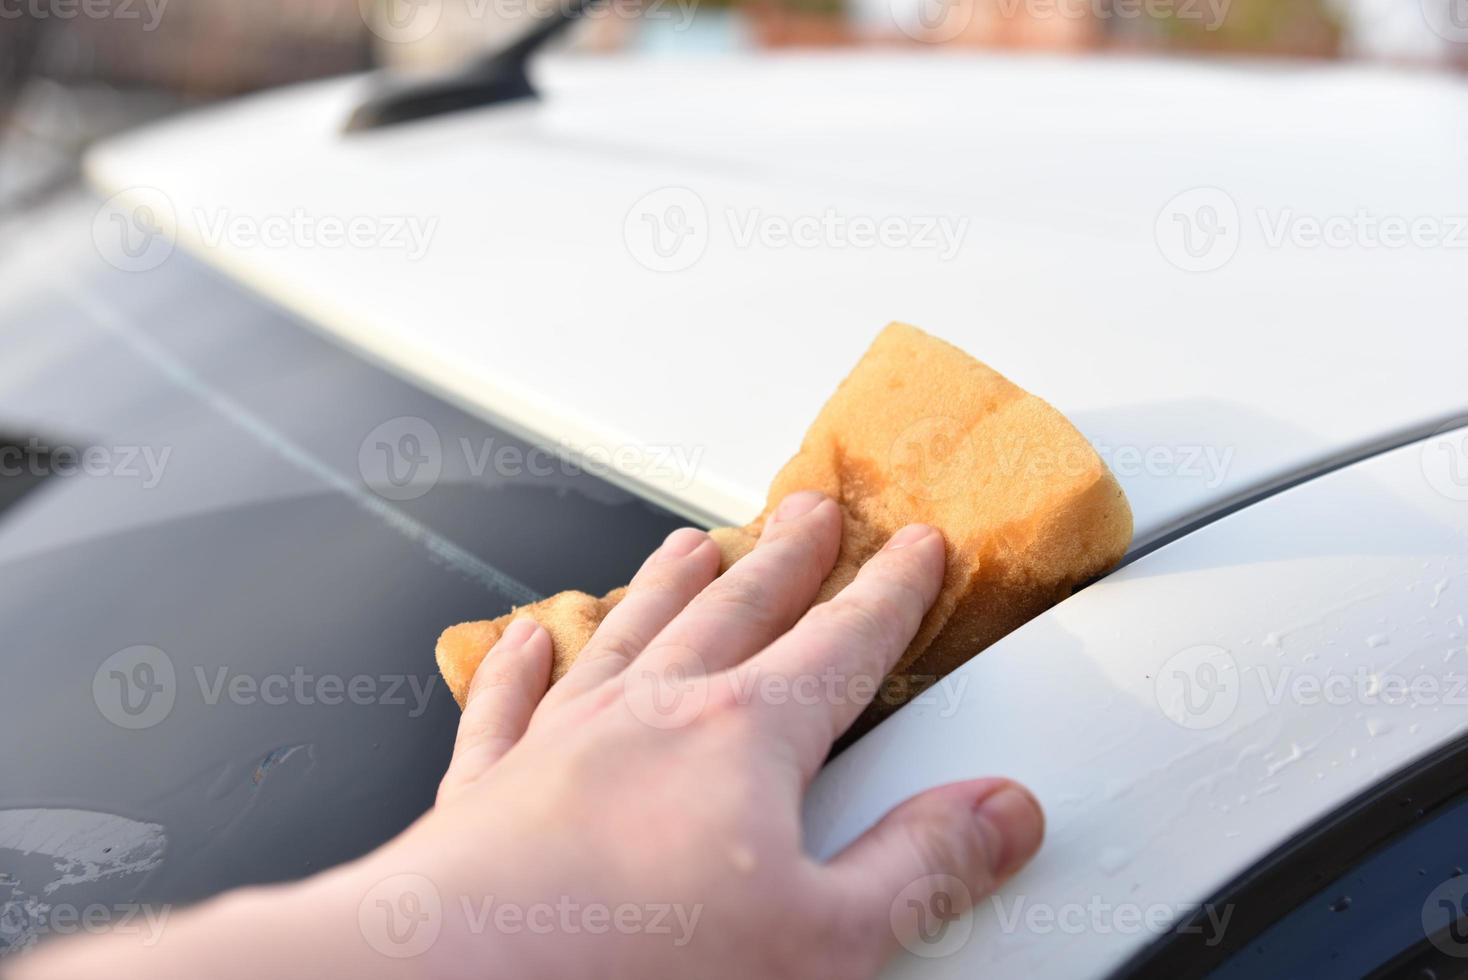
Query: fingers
{"x":930,"y":859}
{"x":502,"y":696}
{"x":760,"y":596}
{"x":682,"y":567}
{"x":842,"y":649}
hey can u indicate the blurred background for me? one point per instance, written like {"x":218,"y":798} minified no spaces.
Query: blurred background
{"x":72,"y":71}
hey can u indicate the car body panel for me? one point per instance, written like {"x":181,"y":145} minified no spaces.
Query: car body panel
{"x":527,"y":291}
{"x":1187,"y":715}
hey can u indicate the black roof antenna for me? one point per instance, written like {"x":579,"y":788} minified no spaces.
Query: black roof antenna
{"x":499,"y":76}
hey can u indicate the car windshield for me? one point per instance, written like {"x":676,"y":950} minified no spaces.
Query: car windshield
{"x":226,"y":549}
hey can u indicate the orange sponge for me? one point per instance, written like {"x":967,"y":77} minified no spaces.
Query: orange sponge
{"x":918,"y":432}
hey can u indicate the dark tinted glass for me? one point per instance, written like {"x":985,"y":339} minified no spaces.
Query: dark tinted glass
{"x":226,"y":549}
{"x":1409,"y":896}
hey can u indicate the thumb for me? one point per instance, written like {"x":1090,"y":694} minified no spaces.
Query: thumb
{"x":931,"y":858}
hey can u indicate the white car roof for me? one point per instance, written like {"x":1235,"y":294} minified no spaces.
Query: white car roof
{"x":532,"y":299}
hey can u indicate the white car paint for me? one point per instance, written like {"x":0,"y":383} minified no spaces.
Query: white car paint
{"x":532,"y":299}
{"x":1186,"y":715}
{"x":537,"y":301}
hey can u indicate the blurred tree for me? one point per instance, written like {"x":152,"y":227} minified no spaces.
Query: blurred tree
{"x":1311,"y":28}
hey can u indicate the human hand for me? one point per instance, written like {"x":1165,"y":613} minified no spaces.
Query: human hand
{"x":666,"y":771}
{"x":641,"y":818}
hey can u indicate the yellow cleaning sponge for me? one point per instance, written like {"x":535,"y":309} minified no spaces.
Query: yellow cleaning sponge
{"x":918,"y":432}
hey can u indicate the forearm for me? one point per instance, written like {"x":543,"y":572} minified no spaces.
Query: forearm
{"x":306,"y":930}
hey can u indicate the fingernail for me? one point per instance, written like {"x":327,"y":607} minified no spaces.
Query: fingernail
{"x":911,"y":534}
{"x":681,"y":542}
{"x":1012,"y":826}
{"x":518,"y":632}
{"x":798,"y":505}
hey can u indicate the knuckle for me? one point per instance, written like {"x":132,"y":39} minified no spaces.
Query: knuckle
{"x":485,"y":723}
{"x":667,"y":577}
{"x":948,"y":841}
{"x":493,"y":677}
{"x":725,"y":709}
{"x":622,"y":644}
{"x":901,"y":573}
{"x":867,"y":622}
{"x":741,"y":594}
